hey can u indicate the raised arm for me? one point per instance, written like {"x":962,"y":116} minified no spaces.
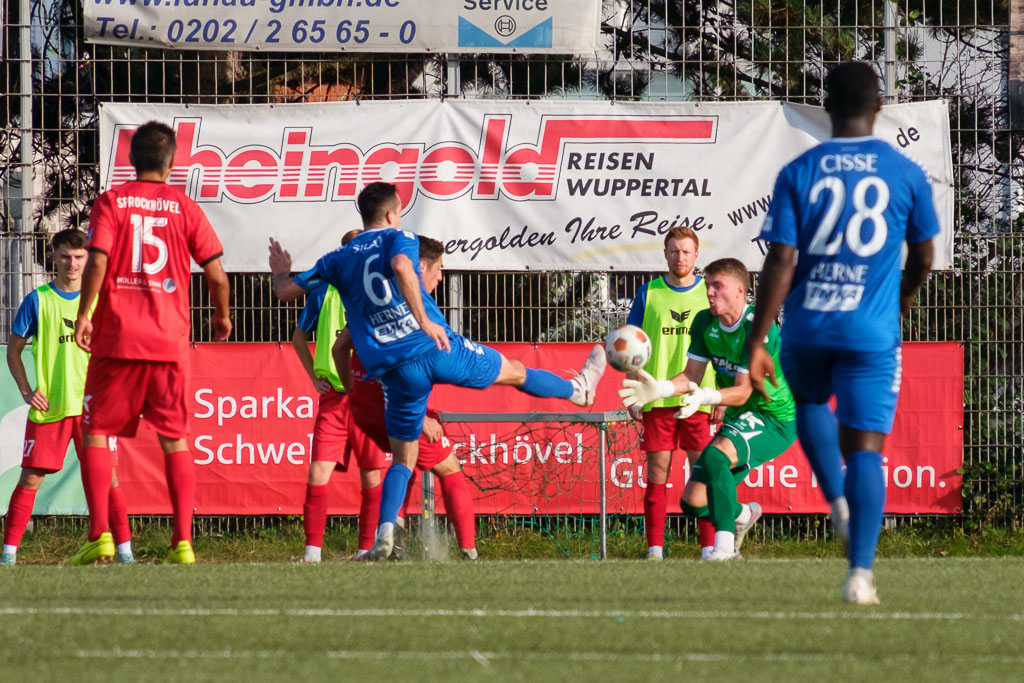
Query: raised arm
{"x":285,"y":287}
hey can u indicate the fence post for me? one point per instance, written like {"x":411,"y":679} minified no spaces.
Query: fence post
{"x":603,"y":450}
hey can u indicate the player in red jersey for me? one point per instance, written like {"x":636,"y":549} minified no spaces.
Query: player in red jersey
{"x":435,"y":450}
{"x":142,"y":238}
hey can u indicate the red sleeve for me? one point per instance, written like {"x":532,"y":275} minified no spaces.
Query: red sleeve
{"x":102,"y":224}
{"x":203,"y":243}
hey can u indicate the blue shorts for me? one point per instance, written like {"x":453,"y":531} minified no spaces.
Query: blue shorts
{"x":407,"y":387}
{"x":866,"y":384}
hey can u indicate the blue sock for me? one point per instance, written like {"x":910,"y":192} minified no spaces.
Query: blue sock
{"x":396,"y":481}
{"x":544,"y":384}
{"x":818,"y":429}
{"x":865,"y":491}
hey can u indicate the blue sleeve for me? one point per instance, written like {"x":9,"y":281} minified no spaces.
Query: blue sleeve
{"x":781,"y":223}
{"x":26,"y":322}
{"x":312,"y":278}
{"x":310,"y":315}
{"x":636,"y":313}
{"x":404,"y":242}
{"x":923,"y":223}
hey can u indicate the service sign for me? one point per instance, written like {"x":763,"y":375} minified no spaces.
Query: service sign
{"x":508,"y":26}
{"x":506,"y":185}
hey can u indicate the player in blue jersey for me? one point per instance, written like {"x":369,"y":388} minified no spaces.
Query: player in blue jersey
{"x":847,"y":207}
{"x":403,"y":339}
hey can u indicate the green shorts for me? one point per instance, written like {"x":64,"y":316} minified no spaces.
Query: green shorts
{"x":757,"y":437}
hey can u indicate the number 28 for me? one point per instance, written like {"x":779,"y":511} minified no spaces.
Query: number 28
{"x":827,"y":240}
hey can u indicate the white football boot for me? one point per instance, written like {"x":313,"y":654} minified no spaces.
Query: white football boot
{"x":585,"y":383}
{"x":859,"y":588}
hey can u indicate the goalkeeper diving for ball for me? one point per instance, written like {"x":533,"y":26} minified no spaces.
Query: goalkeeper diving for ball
{"x":755,"y":430}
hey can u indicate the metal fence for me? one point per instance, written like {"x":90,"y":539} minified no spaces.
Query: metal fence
{"x":653,"y":50}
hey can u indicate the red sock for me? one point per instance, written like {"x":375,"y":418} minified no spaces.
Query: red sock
{"x":655,"y":504}
{"x":18,"y":514}
{"x":119,"y":516}
{"x":181,"y":484}
{"x":97,"y":469}
{"x":369,"y":515}
{"x":458,"y":504}
{"x":314,"y":514}
{"x":706,"y":532}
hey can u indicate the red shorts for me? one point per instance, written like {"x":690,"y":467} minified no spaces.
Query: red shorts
{"x":663,"y":432}
{"x":46,"y":444}
{"x":368,"y":414}
{"x":119,"y":390}
{"x":336,"y":436}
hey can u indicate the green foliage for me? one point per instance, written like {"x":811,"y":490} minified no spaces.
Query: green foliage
{"x":993,"y":494}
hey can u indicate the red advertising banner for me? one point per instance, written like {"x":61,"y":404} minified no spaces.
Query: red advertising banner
{"x":252,"y":410}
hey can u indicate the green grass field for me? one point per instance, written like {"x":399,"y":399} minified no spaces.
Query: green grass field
{"x":940,"y":619}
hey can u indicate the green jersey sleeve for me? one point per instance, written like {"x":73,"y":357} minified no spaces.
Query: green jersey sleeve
{"x":700,"y":324}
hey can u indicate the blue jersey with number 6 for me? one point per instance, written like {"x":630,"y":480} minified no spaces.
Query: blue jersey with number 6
{"x":848,"y":205}
{"x":383,"y":329}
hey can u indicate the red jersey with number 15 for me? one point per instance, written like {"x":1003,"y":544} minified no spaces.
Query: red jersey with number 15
{"x":149,"y":231}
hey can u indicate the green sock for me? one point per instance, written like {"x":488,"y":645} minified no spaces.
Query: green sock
{"x":722,"y":499}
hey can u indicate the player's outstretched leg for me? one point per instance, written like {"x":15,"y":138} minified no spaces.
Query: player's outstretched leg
{"x":580,"y":389}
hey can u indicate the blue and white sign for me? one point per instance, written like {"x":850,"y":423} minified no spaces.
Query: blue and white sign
{"x":534,"y":26}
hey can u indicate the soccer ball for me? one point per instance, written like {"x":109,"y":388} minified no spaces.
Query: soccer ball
{"x":628,"y":348}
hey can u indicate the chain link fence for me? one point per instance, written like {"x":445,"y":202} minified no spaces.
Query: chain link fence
{"x":652,"y":50}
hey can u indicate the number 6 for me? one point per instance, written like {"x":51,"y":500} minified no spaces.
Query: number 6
{"x":368,"y":279}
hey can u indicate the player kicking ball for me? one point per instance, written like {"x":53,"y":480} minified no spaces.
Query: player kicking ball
{"x":435,"y":450}
{"x":847,"y":206}
{"x":403,"y":339}
{"x":755,"y":429}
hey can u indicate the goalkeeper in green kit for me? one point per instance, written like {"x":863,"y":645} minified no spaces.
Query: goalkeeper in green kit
{"x":755,"y":430}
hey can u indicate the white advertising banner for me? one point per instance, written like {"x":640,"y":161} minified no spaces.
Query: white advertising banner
{"x":504,"y":26}
{"x":506,"y":185}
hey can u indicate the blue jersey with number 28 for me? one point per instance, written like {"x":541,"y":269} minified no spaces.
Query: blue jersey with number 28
{"x":383,"y":329}
{"x":848,"y":205}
